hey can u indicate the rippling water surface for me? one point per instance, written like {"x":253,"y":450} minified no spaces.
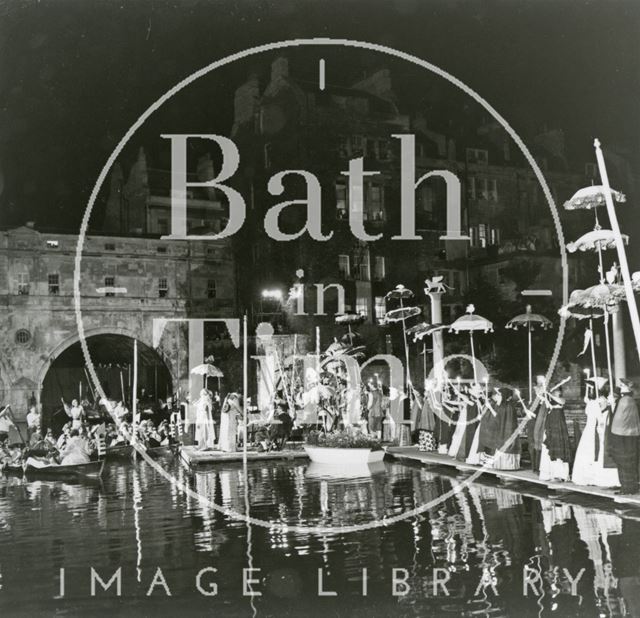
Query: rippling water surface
{"x":480,"y":539}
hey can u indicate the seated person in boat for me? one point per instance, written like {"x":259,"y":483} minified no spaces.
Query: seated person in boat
{"x":76,"y":451}
{"x":50,"y":439}
{"x":38,"y":446}
{"x":166,"y":436}
{"x":64,"y":437}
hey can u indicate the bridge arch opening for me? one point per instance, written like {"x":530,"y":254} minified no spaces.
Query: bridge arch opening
{"x":112,"y":355}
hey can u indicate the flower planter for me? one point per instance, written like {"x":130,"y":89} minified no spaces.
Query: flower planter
{"x":343,"y":456}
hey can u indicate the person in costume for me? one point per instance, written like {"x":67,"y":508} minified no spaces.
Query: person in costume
{"x":624,"y":443}
{"x":478,"y":398}
{"x":374,"y":407}
{"x":425,"y":419}
{"x":555,"y":455}
{"x":535,"y":426}
{"x":446,"y":419}
{"x":507,"y":456}
{"x":34,"y":421}
{"x":205,"y":434}
{"x":75,"y":412}
{"x":231,"y":411}
{"x":592,"y":464}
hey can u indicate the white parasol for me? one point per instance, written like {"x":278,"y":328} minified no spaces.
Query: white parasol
{"x":471,"y":323}
{"x":530,"y":321}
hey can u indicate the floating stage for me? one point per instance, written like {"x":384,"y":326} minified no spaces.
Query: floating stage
{"x":527,"y":476}
{"x":193,"y":457}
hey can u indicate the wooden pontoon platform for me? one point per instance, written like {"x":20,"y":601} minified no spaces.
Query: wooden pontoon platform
{"x":528,"y":476}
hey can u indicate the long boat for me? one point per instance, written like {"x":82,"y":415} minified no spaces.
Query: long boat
{"x":91,"y":470}
{"x":126,"y":451}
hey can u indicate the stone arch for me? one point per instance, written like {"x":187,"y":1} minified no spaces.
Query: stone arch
{"x":91,"y":332}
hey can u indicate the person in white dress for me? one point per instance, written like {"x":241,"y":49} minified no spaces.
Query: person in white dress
{"x":205,"y":434}
{"x":75,"y":412}
{"x":231,"y":410}
{"x":589,"y":464}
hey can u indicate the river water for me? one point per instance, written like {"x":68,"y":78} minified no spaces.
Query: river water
{"x":472,"y":554}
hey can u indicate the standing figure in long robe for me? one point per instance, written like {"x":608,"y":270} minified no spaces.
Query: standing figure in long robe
{"x":205,"y":434}
{"x":231,"y":411}
{"x":555,"y":456}
{"x":506,"y":457}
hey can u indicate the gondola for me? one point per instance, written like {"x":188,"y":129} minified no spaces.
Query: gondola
{"x":126,"y":451}
{"x":36,"y":469}
{"x":13,"y":469}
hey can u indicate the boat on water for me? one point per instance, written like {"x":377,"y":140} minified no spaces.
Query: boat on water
{"x":343,"y":456}
{"x":36,"y":468}
{"x":126,"y":451}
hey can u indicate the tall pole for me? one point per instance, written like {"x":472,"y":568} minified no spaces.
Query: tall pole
{"x":530,"y":364}
{"x":437,"y":340}
{"x":619,"y":358}
{"x":622,"y":256}
{"x":473,"y":356}
{"x":134,"y":396}
{"x":245,"y":386}
{"x":606,"y":337}
{"x":593,"y":359}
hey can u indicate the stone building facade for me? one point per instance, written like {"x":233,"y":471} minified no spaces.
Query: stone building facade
{"x":124,"y":282}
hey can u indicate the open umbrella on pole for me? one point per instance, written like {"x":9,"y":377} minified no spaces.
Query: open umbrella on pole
{"x":597,"y":301}
{"x":402,"y":314}
{"x":530,"y":321}
{"x":208,"y":370}
{"x":470,"y":322}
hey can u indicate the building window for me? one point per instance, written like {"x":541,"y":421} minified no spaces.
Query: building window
{"x":495,"y":236}
{"x":383,"y":150}
{"x":492,"y":190}
{"x":267,"y":156}
{"x":379,"y":270}
{"x":22,"y":284}
{"x":161,"y":249}
{"x":109,"y":285}
{"x":344,"y":266}
{"x":211,"y":288}
{"x":471,"y":188}
{"x":163,"y":226}
{"x":52,"y":244}
{"x":482,"y":235}
{"x":362,"y":307}
{"x":54,"y":284}
{"x":341,"y":200}
{"x":357,"y":144}
{"x":591,"y":171}
{"x":426,"y":199}
{"x":163,"y":287}
{"x":23,"y":336}
{"x":376,"y":198}
{"x":380,"y":307}
{"x":362,"y":266}
{"x":109,"y":246}
{"x":478,"y":156}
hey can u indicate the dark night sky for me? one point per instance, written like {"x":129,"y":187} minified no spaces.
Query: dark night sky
{"x":75,"y":74}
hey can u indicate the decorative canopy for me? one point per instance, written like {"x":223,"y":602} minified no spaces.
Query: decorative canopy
{"x":399,"y":292}
{"x":591,"y":241}
{"x":401,"y":314}
{"x":603,"y":297}
{"x":207,"y":369}
{"x":350,"y":318}
{"x":592,"y":197}
{"x":529,"y":320}
{"x":422,"y":330}
{"x":471,"y":322}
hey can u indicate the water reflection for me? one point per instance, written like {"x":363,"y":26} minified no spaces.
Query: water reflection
{"x":475,"y":546}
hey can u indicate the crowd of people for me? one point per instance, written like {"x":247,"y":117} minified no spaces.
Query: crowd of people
{"x":79,"y":441}
{"x":482,"y":426}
